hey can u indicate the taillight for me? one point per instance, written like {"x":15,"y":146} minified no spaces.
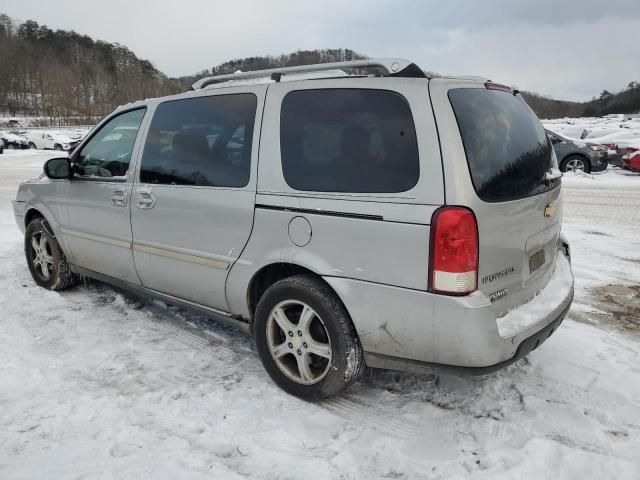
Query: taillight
{"x":453,"y":266}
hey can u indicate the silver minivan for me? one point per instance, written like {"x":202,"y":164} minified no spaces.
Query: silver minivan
{"x":379,"y":218}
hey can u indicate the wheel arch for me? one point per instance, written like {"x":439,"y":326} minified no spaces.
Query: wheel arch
{"x":32,"y":213}
{"x":272,"y":273}
{"x":40,"y":211}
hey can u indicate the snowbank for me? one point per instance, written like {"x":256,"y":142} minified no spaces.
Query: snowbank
{"x":617,"y":129}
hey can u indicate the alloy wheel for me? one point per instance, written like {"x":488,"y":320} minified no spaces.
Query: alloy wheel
{"x":575,"y":165}
{"x":298,"y":341}
{"x":41,"y":255}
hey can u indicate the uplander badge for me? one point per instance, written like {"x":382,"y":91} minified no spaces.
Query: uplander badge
{"x":497,"y":275}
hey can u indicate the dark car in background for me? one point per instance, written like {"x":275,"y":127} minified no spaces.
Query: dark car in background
{"x":13,"y":141}
{"x":576,"y":155}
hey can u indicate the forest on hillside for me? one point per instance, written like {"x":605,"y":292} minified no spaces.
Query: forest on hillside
{"x":627,"y":101}
{"x":63,"y":77}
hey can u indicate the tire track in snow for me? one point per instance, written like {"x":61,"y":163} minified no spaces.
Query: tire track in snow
{"x":173,"y":328}
{"x":350,"y":408}
{"x":361,"y":413}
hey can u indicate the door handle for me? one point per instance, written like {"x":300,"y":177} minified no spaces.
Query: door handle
{"x":146,"y":200}
{"x":119,"y":198}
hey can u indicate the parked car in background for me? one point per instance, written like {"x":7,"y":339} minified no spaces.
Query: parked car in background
{"x":1,"y":147}
{"x":390,"y":221}
{"x":615,"y":154}
{"x":576,"y":155}
{"x":13,"y":141}
{"x":51,"y":140}
{"x":631,"y":161}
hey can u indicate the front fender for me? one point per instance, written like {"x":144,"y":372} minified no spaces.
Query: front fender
{"x":47,"y":198}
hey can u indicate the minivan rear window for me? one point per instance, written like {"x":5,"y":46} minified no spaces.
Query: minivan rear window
{"x":507,"y":149}
{"x":348,"y":140}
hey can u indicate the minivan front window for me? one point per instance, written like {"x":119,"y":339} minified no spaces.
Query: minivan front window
{"x":108,"y":152}
{"x":508,"y":152}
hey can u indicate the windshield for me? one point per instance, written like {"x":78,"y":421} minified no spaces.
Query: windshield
{"x":508,"y":152}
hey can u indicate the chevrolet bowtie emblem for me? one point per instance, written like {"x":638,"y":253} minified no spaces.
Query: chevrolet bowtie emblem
{"x":550,"y":210}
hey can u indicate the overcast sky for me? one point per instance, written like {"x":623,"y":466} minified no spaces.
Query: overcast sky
{"x":568,"y":49}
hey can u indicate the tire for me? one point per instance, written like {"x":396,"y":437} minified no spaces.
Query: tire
{"x":43,"y":253}
{"x":57,"y":147}
{"x":32,"y":145}
{"x":572,"y":162}
{"x":329,"y":332}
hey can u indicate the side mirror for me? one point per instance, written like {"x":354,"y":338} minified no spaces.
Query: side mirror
{"x":58,"y":168}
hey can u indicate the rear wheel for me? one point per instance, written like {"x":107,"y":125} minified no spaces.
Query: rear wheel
{"x":575,"y":163}
{"x":32,"y":145}
{"x":47,"y":263}
{"x":306,"y":340}
{"x":57,"y":146}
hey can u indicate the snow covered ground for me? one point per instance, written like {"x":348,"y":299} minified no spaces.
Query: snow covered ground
{"x":96,"y":385}
{"x":620,"y":130}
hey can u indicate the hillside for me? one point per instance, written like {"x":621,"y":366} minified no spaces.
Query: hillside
{"x":626,"y":101}
{"x":61,"y":75}
{"x":65,"y":77}
{"x":300,"y":57}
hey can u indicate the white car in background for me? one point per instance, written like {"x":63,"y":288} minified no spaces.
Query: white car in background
{"x":51,"y":140}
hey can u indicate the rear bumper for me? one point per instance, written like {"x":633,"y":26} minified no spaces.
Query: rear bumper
{"x":409,"y":330}
{"x":526,"y":346}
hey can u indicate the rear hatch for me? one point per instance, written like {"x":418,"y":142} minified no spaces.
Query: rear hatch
{"x":499,"y":162}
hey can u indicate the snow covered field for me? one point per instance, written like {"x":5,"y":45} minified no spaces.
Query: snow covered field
{"x":620,"y":130}
{"x":96,"y":385}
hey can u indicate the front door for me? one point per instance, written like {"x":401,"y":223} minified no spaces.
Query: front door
{"x":97,"y":224}
{"x":192,"y":209}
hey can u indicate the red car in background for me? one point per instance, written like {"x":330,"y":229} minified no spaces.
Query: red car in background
{"x":631,"y":161}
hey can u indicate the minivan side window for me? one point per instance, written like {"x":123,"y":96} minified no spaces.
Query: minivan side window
{"x":203,"y":141}
{"x":108,"y":152}
{"x":348,"y":140}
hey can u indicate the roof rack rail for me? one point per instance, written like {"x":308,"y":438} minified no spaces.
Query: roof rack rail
{"x":392,"y":66}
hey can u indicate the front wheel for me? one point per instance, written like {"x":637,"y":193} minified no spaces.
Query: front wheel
{"x":32,"y":145}
{"x":47,"y":263}
{"x":58,"y":147}
{"x":306,"y":340}
{"x":575,"y":163}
